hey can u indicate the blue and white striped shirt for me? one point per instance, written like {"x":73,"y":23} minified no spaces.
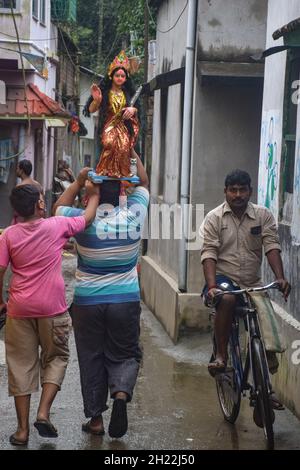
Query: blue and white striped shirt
{"x":108,"y":252}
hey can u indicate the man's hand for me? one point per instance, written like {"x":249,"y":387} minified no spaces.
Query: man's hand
{"x":284,"y":287}
{"x":141,"y":172}
{"x":213,"y":292}
{"x":83,"y":176}
{"x":96,"y":93}
{"x":92,"y":189}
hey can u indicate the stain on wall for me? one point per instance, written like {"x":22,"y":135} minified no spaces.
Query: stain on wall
{"x":215,"y":22}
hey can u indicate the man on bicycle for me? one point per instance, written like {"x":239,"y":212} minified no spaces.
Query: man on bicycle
{"x":234,"y":234}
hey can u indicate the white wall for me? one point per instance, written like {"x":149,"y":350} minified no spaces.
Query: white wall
{"x":173,"y":146}
{"x":234,"y":29}
{"x":22,"y":20}
{"x":273,"y":101}
{"x":226,"y":118}
{"x":85,"y":83}
{"x":170,"y":47}
{"x":155,"y":145}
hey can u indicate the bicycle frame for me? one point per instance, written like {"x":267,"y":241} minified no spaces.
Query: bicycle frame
{"x":249,"y":313}
{"x":250,"y":375}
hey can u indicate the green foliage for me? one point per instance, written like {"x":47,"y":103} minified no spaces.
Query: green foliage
{"x":123,"y":27}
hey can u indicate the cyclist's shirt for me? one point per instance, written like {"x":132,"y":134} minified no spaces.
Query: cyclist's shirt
{"x":237,"y":245}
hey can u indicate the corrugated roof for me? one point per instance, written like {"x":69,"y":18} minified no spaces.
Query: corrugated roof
{"x":39,"y":104}
{"x":288,"y":28}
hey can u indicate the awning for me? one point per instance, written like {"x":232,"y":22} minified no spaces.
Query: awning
{"x":274,"y":50}
{"x":164,"y":80}
{"x":230,"y":72}
{"x":287,"y":28}
{"x":54,"y":122}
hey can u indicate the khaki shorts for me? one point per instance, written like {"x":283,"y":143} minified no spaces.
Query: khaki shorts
{"x":25,"y":362}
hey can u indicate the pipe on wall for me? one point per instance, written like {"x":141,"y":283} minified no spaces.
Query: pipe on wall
{"x":187,"y":139}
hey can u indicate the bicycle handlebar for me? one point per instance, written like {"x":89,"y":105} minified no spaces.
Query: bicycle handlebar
{"x":272,"y":285}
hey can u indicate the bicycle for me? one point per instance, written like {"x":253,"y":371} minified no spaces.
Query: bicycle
{"x":252,"y":374}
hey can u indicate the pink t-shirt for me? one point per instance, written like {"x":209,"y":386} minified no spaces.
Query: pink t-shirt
{"x":34,"y":250}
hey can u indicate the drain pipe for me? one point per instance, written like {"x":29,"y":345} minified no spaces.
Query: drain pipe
{"x":187,"y":139}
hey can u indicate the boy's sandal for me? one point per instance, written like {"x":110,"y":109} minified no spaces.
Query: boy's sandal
{"x":17,"y":442}
{"x":86,"y":427}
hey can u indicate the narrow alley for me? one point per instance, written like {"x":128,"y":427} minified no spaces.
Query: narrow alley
{"x":174,"y":407}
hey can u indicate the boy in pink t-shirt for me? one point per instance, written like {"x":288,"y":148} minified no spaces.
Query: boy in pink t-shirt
{"x":37,"y":310}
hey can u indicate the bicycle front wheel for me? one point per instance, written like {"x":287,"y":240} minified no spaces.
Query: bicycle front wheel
{"x":229,"y":389}
{"x":263,"y":401}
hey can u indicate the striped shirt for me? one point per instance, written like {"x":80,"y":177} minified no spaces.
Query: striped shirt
{"x":108,"y":252}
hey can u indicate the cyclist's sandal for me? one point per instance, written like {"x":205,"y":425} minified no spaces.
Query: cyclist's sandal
{"x":276,"y":404}
{"x":216,"y":367}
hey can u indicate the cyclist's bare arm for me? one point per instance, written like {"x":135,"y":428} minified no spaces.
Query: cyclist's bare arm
{"x":209,"y":268}
{"x":275,"y":261}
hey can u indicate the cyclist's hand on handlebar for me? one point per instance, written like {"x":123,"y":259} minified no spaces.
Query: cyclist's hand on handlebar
{"x":284,"y":287}
{"x":213,"y":292}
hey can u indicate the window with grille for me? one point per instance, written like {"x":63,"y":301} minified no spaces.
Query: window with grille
{"x":35,"y":8}
{"x":289,"y":135}
{"x":7,"y":4}
{"x":42,"y":12}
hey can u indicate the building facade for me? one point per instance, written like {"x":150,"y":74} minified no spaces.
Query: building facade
{"x":225,"y":122}
{"x":279,"y":174}
{"x":18,"y":139}
{"x":245,"y":115}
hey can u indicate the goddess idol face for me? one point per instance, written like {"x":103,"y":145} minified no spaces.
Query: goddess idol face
{"x":119,"y":77}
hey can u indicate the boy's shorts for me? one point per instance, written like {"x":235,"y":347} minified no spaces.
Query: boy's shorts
{"x":25,"y":363}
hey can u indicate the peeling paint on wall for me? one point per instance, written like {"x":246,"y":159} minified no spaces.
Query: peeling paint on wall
{"x":269,"y":161}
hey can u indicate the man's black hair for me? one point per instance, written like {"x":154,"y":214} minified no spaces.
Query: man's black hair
{"x":110,"y":193}
{"x":24,"y":198}
{"x":26,"y":166}
{"x":239,"y":177}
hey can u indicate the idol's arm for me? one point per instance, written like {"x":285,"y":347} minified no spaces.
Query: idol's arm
{"x":94,"y":106}
{"x":97,"y":99}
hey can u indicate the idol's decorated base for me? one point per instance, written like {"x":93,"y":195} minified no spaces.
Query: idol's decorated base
{"x":100,"y":179}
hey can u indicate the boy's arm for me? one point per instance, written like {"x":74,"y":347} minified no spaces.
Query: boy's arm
{"x":2,"y":272}
{"x":69,"y":195}
{"x":93,"y":193}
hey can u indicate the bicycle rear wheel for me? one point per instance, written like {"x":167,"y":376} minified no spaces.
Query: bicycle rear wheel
{"x":263,"y":403}
{"x":229,"y":389}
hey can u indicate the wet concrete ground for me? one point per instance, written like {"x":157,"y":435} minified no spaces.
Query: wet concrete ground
{"x":174,"y":407}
